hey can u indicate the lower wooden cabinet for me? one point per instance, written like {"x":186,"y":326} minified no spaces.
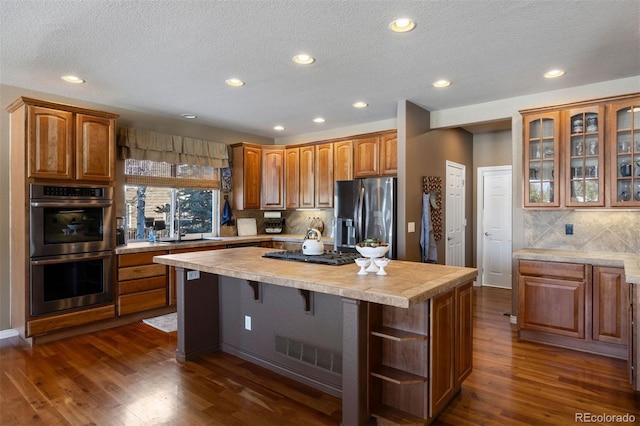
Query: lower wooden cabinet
{"x":579,"y":306}
{"x":419,"y":356}
{"x":142,"y":284}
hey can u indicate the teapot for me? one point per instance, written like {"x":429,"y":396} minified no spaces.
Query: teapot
{"x":312,"y":244}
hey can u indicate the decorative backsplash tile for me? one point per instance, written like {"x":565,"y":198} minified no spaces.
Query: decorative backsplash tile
{"x":613,"y":231}
{"x":296,"y":221}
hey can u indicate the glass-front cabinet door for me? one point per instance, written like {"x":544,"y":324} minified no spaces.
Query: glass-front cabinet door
{"x":625,"y":153}
{"x":541,"y":160}
{"x":584,"y":154}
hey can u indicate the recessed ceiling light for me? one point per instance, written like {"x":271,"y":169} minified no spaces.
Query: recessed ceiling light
{"x":189,"y":116}
{"x":402,"y":25}
{"x":235,"y":82}
{"x":72,"y":79}
{"x":553,"y":74}
{"x":318,"y":120}
{"x":303,"y":59}
{"x":278,"y":128}
{"x":442,"y":83}
{"x":360,"y":104}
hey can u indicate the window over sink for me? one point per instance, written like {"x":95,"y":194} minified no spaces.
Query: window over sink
{"x":170,"y":198}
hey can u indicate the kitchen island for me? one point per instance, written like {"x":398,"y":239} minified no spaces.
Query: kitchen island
{"x":396,"y":347}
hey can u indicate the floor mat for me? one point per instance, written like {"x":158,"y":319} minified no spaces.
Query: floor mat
{"x":166,"y":323}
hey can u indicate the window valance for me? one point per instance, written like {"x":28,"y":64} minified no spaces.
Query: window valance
{"x":148,"y":145}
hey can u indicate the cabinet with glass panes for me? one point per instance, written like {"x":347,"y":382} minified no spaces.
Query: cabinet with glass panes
{"x":584,"y":153}
{"x":541,"y":159}
{"x":624,"y":145}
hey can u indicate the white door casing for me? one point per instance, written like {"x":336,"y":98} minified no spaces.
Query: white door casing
{"x":455,"y":221}
{"x":494,"y":226}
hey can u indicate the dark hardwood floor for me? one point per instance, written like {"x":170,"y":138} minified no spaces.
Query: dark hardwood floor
{"x":129,"y":376}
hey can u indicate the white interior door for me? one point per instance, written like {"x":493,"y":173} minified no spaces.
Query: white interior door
{"x":455,"y":220}
{"x":495,"y":232}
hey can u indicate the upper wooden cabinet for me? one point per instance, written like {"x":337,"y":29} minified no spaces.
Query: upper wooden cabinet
{"x":584,"y":132}
{"x":247,"y":172}
{"x":389,"y":154}
{"x":272,"y":178}
{"x":624,"y":148}
{"x":292,"y":178}
{"x":343,"y":160}
{"x":564,"y":152}
{"x":541,"y":159}
{"x":66,"y":142}
{"x":324,"y":182}
{"x":375,"y":155}
{"x":366,"y":156}
{"x":307,"y":176}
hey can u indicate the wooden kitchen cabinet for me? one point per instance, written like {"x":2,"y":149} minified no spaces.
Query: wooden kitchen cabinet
{"x":343,"y":160}
{"x":324,"y":183}
{"x":142,"y":284}
{"x":366,"y":156}
{"x":419,"y":356}
{"x":541,"y":160}
{"x":307,"y":177}
{"x":65,"y":142}
{"x":610,"y":306}
{"x":624,"y":146}
{"x":292,"y":178}
{"x":579,"y":306}
{"x":272,"y":194}
{"x":585,"y":148}
{"x":583,"y":154}
{"x":389,"y":154}
{"x":375,"y":155}
{"x":246,"y":171}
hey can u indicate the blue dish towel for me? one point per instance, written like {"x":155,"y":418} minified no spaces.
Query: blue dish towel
{"x":427,"y":240}
{"x":226,"y":212}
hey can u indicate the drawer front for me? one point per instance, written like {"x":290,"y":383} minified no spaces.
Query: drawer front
{"x":144,"y":284}
{"x":72,"y":319}
{"x":144,"y":271}
{"x":134,"y":259}
{"x":140,"y":302}
{"x":572,"y":271}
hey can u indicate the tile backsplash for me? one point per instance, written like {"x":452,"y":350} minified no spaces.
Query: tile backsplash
{"x":612,"y":231}
{"x":296,"y":221}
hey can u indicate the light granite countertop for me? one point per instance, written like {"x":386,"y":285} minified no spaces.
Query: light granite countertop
{"x":629,"y":261}
{"x":406,"y":284}
{"x":145,"y":246}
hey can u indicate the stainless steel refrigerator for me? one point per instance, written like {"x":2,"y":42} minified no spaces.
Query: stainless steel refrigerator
{"x":363,"y":209}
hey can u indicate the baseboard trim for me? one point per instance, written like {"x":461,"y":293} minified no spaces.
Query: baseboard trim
{"x":10,"y":332}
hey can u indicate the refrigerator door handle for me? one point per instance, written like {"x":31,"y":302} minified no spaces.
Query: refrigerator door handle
{"x":358,"y":215}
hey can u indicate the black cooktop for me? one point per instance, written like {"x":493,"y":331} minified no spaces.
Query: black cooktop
{"x":326,"y":258}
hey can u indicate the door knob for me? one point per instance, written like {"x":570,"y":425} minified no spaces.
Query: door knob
{"x":486,"y":234}
{"x":449,"y":238}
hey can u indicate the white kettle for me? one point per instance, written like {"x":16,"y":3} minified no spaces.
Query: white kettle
{"x":312,"y":244}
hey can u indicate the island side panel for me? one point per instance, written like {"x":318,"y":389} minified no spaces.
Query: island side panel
{"x":284,"y":337}
{"x":198,"y":315}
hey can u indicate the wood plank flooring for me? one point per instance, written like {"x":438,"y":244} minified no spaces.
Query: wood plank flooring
{"x":129,"y":376}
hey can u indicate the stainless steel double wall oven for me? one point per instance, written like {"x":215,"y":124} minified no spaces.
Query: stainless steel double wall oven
{"x":71,"y":247}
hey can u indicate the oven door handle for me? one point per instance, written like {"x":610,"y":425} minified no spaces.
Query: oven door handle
{"x":70,"y":204}
{"x":71,"y":257}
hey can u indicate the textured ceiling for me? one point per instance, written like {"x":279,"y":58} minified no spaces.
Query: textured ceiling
{"x":172,"y":57}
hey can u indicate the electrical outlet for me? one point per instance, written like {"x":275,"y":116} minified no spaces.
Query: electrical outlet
{"x":247,"y":322}
{"x":568,"y":229}
{"x":411,"y":227}
{"x":193,"y":275}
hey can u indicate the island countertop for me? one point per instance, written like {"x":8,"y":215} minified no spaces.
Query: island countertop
{"x":406,"y":284}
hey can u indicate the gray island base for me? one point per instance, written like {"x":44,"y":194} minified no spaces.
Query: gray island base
{"x":396,"y":348}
